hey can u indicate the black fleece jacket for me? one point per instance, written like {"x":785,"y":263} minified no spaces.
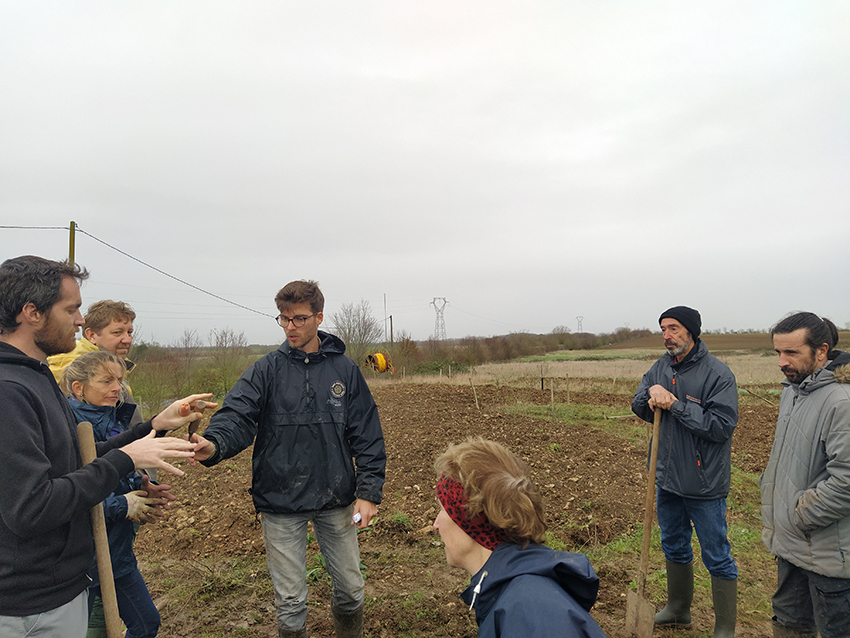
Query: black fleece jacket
{"x":46,"y":542}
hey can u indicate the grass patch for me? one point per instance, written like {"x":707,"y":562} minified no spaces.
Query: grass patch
{"x":572,"y":355}
{"x":595,"y":416}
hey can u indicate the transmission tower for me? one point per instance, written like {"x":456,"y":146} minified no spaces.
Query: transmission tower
{"x":439,"y":304}
{"x":579,"y":318}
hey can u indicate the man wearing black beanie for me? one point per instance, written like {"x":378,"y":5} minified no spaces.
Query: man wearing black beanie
{"x":699,"y":398}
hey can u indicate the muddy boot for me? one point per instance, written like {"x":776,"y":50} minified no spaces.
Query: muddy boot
{"x":680,"y":593}
{"x":348,"y":624}
{"x":290,"y":633}
{"x":783,"y":631}
{"x":725,"y":595}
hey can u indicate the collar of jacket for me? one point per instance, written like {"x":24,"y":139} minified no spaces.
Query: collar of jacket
{"x":328,"y":344}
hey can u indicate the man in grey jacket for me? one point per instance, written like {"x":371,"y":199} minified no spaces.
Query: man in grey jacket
{"x":805,"y":489}
{"x":699,"y":399}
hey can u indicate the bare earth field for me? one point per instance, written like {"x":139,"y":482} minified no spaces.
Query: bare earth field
{"x":204,"y":564}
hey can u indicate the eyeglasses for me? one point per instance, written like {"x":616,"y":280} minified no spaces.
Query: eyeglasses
{"x":298,"y":322}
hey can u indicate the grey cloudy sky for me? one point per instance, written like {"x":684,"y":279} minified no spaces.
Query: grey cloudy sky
{"x":531,"y":162}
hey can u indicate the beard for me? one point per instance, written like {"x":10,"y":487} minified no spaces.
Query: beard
{"x":52,"y":339}
{"x":677,"y":350}
{"x":797,"y":375}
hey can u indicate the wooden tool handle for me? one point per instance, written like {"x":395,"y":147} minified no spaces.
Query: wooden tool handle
{"x":101,"y":542}
{"x":649,"y":507}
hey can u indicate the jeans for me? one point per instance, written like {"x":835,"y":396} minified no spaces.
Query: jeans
{"x":285,"y":536}
{"x":67,"y":620}
{"x":135,"y":605}
{"x":678,"y":516}
{"x":806,"y":600}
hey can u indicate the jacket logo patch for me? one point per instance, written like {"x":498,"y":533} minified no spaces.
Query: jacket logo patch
{"x":337,"y":389}
{"x":694,"y":399}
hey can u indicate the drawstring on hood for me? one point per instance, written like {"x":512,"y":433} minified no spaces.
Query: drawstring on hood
{"x":477,"y":589}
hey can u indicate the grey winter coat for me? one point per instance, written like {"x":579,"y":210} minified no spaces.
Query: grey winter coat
{"x":695,"y":441}
{"x":805,"y":489}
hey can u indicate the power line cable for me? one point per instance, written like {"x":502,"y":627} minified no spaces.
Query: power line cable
{"x":162,"y":272}
{"x":136,"y":259}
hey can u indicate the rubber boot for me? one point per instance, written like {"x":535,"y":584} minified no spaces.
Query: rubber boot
{"x":289,"y":633}
{"x":783,"y":631}
{"x":680,"y":593}
{"x":348,"y":624}
{"x":725,"y":595}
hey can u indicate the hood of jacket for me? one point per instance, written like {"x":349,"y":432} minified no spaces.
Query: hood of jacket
{"x":11,"y":355}
{"x":572,"y":572}
{"x":328,"y":344}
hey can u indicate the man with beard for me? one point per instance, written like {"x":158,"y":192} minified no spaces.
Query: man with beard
{"x":699,"y":399}
{"x":805,"y":488}
{"x":46,"y":543}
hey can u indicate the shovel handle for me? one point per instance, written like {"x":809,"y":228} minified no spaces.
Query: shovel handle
{"x":650,"y":503}
{"x":88,"y":452}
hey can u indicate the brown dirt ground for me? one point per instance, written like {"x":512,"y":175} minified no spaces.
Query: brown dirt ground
{"x":593,"y":483}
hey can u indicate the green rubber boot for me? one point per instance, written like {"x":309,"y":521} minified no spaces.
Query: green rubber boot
{"x":348,"y":624}
{"x":288,"y":633}
{"x":725,"y":595}
{"x":680,"y":593}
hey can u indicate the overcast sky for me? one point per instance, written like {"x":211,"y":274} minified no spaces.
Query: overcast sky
{"x":530,"y":162}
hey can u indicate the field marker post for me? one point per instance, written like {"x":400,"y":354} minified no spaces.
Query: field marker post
{"x":552,"y":396}
{"x":475,"y":394}
{"x":568,"y":388}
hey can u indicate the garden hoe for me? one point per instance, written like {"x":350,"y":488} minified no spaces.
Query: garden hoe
{"x":640,"y":613}
{"x":114,"y":627}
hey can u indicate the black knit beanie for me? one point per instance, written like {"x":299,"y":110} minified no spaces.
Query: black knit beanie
{"x":688,"y":317}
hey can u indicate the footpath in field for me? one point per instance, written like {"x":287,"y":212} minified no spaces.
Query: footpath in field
{"x":205,"y":562}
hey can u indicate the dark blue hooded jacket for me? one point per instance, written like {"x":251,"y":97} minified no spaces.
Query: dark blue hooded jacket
{"x":108,"y":421}
{"x":536,"y":591}
{"x":695,"y":439}
{"x":308,"y":416}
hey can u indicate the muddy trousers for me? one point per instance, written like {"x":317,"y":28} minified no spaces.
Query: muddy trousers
{"x":285,"y":536}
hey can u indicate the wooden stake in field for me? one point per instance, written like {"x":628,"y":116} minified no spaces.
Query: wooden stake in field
{"x":101,"y":542}
{"x":640,"y":613}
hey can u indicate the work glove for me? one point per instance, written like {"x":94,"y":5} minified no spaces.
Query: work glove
{"x":140,"y":508}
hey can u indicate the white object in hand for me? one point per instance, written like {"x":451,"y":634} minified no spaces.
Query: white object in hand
{"x":356,"y":517}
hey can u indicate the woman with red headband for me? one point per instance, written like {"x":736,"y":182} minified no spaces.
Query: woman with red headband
{"x":492,"y":523}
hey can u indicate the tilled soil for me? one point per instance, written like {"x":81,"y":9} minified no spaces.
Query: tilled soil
{"x":593,"y":482}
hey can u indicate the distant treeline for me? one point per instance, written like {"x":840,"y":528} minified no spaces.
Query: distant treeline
{"x":433,"y":355}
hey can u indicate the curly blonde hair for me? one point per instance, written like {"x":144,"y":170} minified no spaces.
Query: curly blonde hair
{"x":496,"y":482}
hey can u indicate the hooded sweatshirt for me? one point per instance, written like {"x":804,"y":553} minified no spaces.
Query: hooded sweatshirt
{"x":46,"y":543}
{"x":805,"y":488}
{"x":531,"y":592}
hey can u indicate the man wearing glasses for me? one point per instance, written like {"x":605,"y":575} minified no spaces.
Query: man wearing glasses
{"x":318,"y":457}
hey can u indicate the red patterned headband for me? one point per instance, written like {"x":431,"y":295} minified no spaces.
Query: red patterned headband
{"x":453,"y":499}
